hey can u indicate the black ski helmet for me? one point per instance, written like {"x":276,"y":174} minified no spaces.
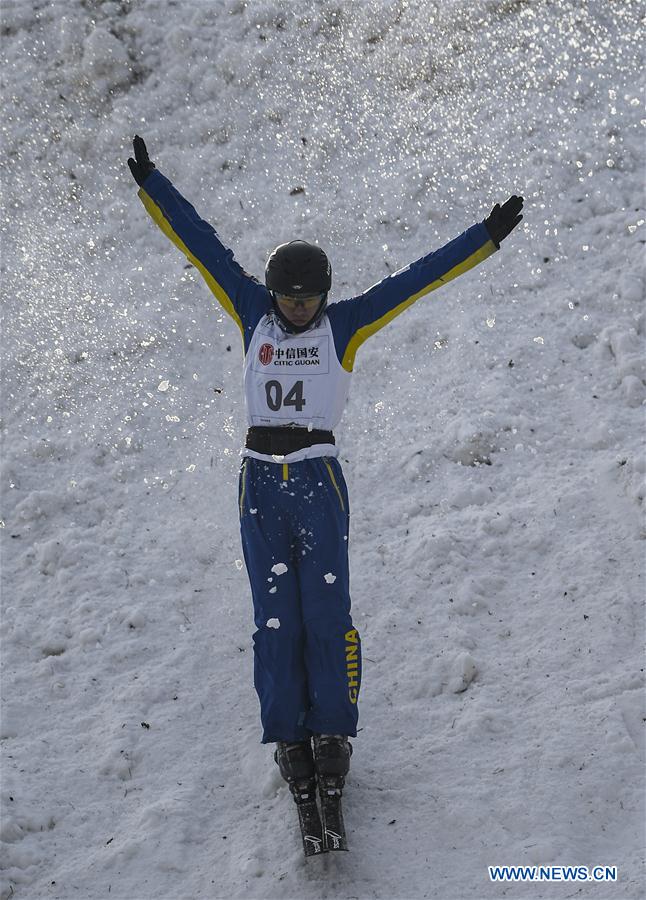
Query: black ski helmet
{"x":298,"y":269}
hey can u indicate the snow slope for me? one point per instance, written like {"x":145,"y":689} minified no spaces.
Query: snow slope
{"x":493,"y":443}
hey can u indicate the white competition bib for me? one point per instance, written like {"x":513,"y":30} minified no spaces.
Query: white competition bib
{"x":294,"y":379}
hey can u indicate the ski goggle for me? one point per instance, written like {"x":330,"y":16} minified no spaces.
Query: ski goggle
{"x":309,"y":303}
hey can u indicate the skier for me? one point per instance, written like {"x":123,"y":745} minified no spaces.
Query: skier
{"x":294,"y":514}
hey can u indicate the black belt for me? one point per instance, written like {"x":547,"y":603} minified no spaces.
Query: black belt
{"x":283,"y":440}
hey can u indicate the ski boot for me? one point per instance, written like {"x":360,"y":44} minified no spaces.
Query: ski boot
{"x":296,"y":765}
{"x":332,"y":754}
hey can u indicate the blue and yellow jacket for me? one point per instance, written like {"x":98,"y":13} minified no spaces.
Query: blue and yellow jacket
{"x":247,"y":301}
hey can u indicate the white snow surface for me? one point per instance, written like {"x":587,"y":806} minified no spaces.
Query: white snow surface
{"x":493,"y":443}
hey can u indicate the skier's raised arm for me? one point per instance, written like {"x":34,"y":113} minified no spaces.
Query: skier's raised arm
{"x":239,"y":294}
{"x":359,"y":318}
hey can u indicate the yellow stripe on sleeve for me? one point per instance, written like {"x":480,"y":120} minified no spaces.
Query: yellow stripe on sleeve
{"x":362,"y":334}
{"x":221,"y":295}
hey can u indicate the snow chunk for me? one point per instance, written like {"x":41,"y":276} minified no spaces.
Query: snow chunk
{"x":49,"y":557}
{"x":104,"y":56}
{"x":135,"y":619}
{"x":330,"y":578}
{"x":89,"y":636}
{"x":12,"y":719}
{"x":634,"y":390}
{"x":273,"y":623}
{"x":279,"y":569}
{"x":463,"y":671}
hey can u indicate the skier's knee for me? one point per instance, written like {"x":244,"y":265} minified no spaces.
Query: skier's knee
{"x":328,"y":627}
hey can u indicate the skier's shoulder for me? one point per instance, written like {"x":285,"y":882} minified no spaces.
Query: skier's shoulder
{"x":339,"y":311}
{"x":343,"y":316}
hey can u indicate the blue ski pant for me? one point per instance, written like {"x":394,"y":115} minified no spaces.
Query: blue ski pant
{"x":294,"y":522}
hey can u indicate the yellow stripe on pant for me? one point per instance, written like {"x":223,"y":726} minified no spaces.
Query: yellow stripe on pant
{"x":243,"y":487}
{"x":336,"y":486}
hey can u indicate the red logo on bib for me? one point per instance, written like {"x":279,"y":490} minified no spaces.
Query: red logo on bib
{"x":266,"y":354}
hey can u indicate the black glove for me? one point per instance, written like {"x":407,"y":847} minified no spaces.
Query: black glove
{"x":503,"y":220}
{"x":140,"y":166}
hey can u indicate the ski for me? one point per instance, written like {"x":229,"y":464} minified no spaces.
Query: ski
{"x":332,"y":817}
{"x":311,"y":827}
